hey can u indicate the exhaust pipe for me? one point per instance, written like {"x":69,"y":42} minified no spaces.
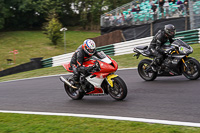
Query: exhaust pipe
{"x":67,"y":82}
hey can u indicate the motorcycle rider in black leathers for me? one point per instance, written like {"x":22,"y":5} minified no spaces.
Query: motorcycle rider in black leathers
{"x":156,"y":45}
{"x":83,"y":52}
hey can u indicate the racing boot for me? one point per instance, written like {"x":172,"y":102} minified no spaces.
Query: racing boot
{"x":75,"y":78}
{"x":154,"y":66}
{"x":161,"y":69}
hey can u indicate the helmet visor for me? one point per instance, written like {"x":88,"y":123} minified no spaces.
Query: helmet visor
{"x":172,"y":32}
{"x":90,"y":50}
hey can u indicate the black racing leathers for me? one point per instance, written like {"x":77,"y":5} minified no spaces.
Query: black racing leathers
{"x":77,"y":62}
{"x":156,"y":45}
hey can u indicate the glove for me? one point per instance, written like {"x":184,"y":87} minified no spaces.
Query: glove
{"x":90,"y":68}
{"x":95,"y":67}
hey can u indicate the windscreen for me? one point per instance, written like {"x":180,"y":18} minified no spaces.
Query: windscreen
{"x":99,"y":56}
{"x":179,"y":42}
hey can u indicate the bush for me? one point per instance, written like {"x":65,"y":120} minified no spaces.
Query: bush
{"x":52,"y":29}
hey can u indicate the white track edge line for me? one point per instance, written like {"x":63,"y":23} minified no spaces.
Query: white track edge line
{"x":166,"y":122}
{"x":52,"y":76}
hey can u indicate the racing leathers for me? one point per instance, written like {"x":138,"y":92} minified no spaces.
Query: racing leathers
{"x":77,"y":63}
{"x":156,"y":46}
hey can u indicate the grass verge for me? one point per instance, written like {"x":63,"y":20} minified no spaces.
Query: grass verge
{"x":32,"y":44}
{"x":19,"y":123}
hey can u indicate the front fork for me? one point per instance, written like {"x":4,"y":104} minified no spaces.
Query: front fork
{"x":185,"y":64}
{"x":109,"y":79}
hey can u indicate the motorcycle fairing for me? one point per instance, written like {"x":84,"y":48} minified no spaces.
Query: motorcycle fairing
{"x":178,"y":56}
{"x":67,"y":67}
{"x":95,"y":80}
{"x":96,"y":91}
{"x":184,"y":48}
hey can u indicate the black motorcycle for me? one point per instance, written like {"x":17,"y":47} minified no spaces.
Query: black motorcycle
{"x":176,"y":62}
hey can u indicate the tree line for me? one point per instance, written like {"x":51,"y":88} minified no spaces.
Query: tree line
{"x":31,"y":14}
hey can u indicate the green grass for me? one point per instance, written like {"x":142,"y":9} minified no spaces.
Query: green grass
{"x":196,"y":52}
{"x":32,"y":44}
{"x":19,"y":123}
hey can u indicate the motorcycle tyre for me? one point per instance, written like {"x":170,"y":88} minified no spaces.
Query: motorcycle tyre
{"x":198,"y":67}
{"x":79,"y":95}
{"x":146,"y":61}
{"x":122,"y":84}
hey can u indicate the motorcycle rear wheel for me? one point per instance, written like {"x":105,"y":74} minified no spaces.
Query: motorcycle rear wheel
{"x":119,"y":89}
{"x":75,"y":94}
{"x":147,"y":75}
{"x":193,"y":70}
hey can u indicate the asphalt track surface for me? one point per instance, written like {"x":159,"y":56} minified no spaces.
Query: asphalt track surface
{"x":166,"y":98}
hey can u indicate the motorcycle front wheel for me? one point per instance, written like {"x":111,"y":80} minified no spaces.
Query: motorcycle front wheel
{"x":145,"y":71}
{"x":192,"y":71}
{"x":75,"y":94}
{"x":119,"y":89}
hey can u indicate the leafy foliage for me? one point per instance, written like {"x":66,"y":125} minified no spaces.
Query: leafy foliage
{"x":53,"y":28}
{"x":28,"y":14}
{"x":3,"y":13}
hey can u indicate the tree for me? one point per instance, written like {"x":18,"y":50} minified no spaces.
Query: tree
{"x":3,"y":13}
{"x":89,"y":11}
{"x":26,"y":14}
{"x":53,"y":28}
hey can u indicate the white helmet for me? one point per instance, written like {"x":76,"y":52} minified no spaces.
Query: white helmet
{"x":89,"y":46}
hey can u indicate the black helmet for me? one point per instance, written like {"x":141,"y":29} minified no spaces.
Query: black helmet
{"x":170,"y":30}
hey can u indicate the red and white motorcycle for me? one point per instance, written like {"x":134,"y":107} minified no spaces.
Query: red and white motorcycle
{"x":103,"y":81}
